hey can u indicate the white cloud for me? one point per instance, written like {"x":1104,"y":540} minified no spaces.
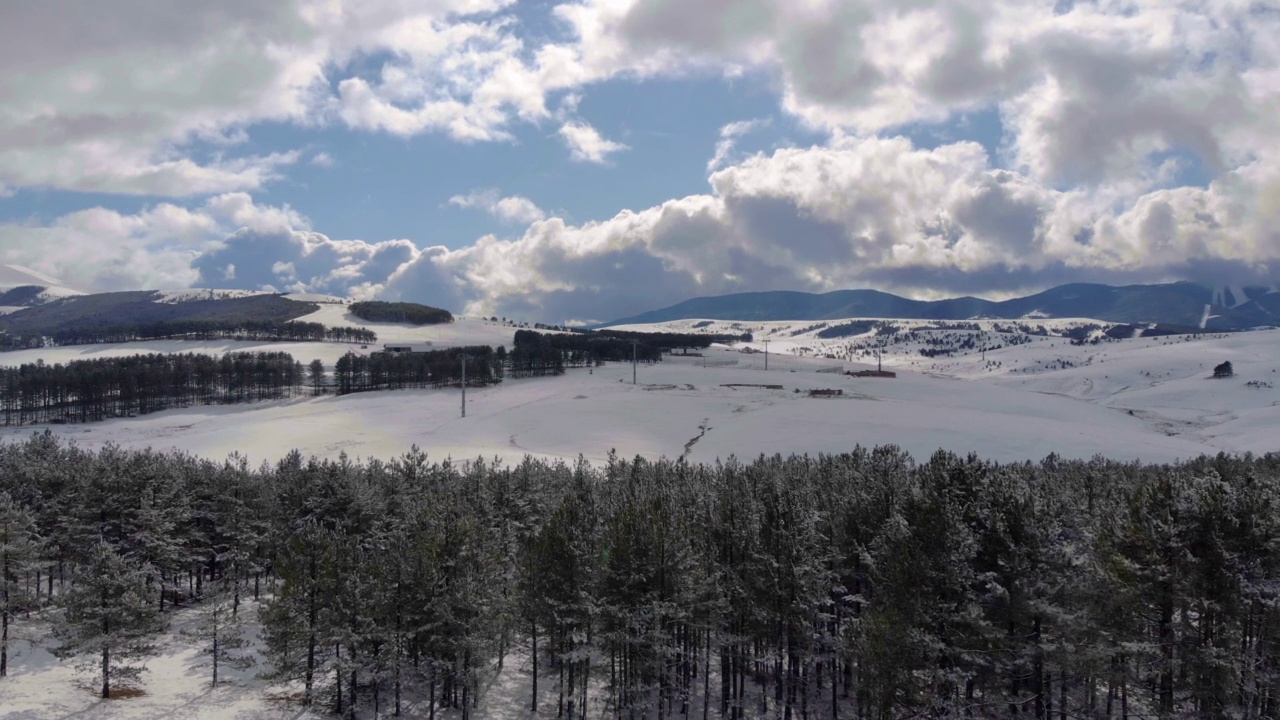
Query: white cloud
{"x":853,"y":213}
{"x":1092,"y":99}
{"x":729,"y":135}
{"x":863,"y":212}
{"x":109,"y":99}
{"x":513,"y":209}
{"x":586,"y":144}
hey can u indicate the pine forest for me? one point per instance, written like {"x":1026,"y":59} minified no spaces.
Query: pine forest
{"x":859,"y":585}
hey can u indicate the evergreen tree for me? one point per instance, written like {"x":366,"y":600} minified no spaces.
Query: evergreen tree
{"x":107,"y":619}
{"x":220,"y":630}
{"x":20,"y":552}
{"x":315,"y":372}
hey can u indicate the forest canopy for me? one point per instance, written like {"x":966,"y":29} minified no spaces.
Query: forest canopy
{"x":863,"y":584}
{"x":399,"y":312}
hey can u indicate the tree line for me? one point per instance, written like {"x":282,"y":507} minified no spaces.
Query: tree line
{"x":97,"y":389}
{"x":400,"y":370}
{"x":537,"y":353}
{"x":243,"y":330}
{"x":860,"y":585}
{"x":399,"y":312}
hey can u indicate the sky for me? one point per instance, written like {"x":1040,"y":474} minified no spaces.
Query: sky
{"x":584,"y":160}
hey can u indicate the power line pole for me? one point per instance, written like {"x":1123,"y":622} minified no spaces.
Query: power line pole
{"x":766,"y":354}
{"x":634,"y":343}
{"x":464,"y":357}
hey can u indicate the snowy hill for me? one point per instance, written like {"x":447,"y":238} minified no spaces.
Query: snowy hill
{"x":22,"y":287}
{"x":1034,"y":391}
{"x":1183,"y":304}
{"x":12,"y":276}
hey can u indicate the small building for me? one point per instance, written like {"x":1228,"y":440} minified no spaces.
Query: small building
{"x":875,"y":373}
{"x":424,"y":346}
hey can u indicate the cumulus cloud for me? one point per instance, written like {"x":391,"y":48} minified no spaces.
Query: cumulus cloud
{"x":729,"y":135}
{"x":1093,"y":100}
{"x":512,"y":209}
{"x":586,"y":144}
{"x":1088,"y":91}
{"x":113,"y":97}
{"x":863,"y":212}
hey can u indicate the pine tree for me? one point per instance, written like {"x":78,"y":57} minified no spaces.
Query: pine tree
{"x":315,"y":372}
{"x":107,"y":617}
{"x":221,"y":631}
{"x":20,"y":549}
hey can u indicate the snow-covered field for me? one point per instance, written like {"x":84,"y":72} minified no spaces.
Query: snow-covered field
{"x":1143,"y":398}
{"x":465,"y":331}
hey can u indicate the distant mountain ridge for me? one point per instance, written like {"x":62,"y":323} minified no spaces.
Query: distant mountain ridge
{"x":1182,"y":304}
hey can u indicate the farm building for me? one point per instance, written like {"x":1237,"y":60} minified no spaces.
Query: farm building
{"x":424,"y":346}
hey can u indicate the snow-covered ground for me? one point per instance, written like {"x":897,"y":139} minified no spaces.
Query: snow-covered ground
{"x":176,"y":684}
{"x":1021,"y":402}
{"x":191,"y":294}
{"x":464,"y":331}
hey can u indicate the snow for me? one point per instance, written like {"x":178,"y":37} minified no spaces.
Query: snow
{"x":176,"y":685}
{"x":171,"y":297}
{"x":1021,"y":402}
{"x":12,"y":276}
{"x":1076,"y":412}
{"x":462,"y":331}
{"x":318,"y":298}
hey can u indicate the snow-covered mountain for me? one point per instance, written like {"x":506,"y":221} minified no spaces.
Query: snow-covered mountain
{"x":23,"y":287}
{"x":1180,"y":304}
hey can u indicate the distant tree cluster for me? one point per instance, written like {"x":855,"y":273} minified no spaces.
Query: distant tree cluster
{"x":666,"y":342}
{"x":434,"y":369}
{"x":849,"y":329}
{"x":859,"y":585}
{"x":535,"y":353}
{"x":88,"y":390}
{"x":243,"y":330}
{"x":399,"y":312}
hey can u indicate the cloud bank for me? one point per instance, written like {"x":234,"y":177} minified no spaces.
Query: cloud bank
{"x":1104,"y":109}
{"x":857,"y":212}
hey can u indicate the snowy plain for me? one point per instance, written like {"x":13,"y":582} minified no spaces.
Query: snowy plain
{"x":1148,"y":398}
{"x":1143,"y":398}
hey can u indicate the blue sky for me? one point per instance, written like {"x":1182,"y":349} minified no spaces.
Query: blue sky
{"x":556,"y":158}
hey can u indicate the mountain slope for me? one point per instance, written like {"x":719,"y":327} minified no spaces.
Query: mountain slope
{"x":1182,"y":304}
{"x":145,"y":306}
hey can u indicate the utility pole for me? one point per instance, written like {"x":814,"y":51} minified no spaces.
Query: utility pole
{"x":634,"y":343}
{"x":766,"y":354}
{"x":464,"y":357}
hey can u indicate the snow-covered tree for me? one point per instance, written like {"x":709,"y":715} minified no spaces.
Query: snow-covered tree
{"x":20,"y":551}
{"x":107,"y":620}
{"x":220,"y":630}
